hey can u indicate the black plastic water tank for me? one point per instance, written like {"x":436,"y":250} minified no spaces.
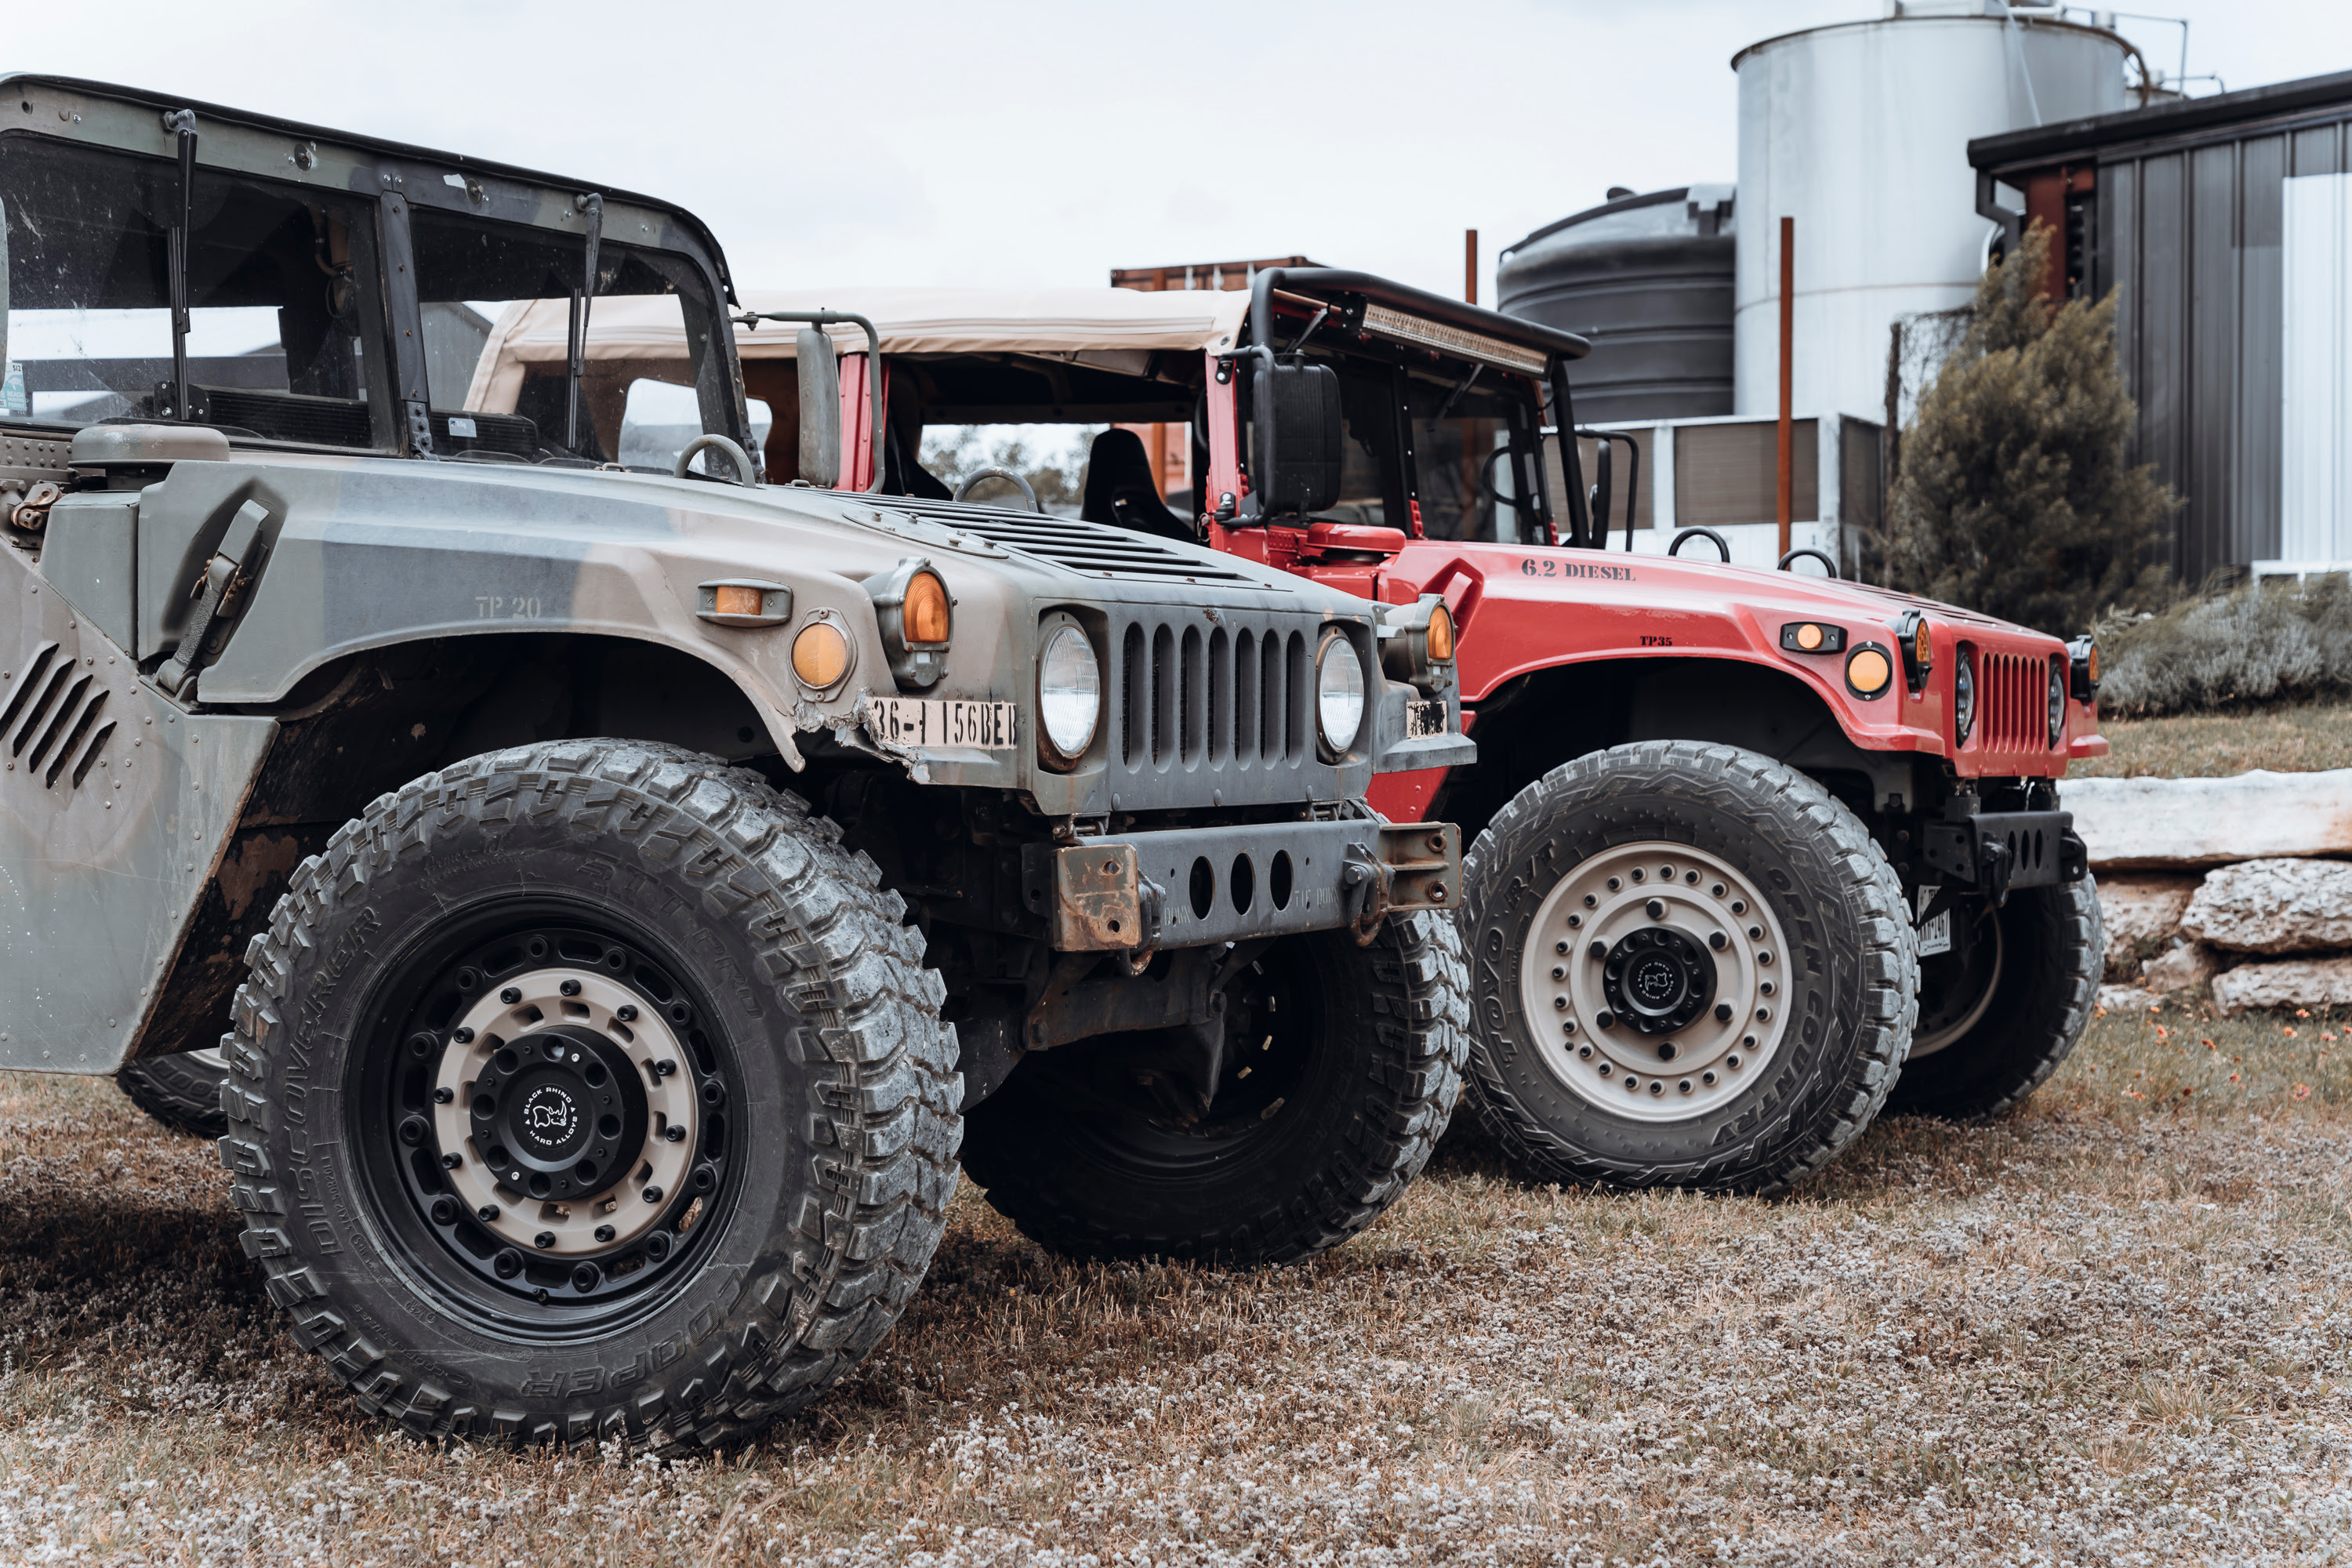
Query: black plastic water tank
{"x":1649,"y":279}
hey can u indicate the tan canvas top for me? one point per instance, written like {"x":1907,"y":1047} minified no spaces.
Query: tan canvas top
{"x":1072,"y":321}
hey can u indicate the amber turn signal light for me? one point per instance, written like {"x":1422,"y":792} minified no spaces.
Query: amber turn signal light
{"x":925,"y":613}
{"x":734,"y":599}
{"x":1812,"y":637}
{"x":820,"y":655}
{"x":1869,"y":671}
{"x":2083,"y":662}
{"x":1441,"y":634}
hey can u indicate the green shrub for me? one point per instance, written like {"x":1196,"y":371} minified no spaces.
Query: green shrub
{"x":2015,"y":496}
{"x":2260,"y":642}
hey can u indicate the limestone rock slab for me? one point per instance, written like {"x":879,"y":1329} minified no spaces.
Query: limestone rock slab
{"x":2140,"y":912}
{"x":2273,"y":906}
{"x":2178,"y":969}
{"x":2125,"y":999}
{"x":2284,"y":982}
{"x":2129,"y":824}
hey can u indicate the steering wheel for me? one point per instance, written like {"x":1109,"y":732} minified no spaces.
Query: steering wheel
{"x":996,"y":471}
{"x":1722,"y":544}
{"x":744,"y":473}
{"x":1829,"y":565}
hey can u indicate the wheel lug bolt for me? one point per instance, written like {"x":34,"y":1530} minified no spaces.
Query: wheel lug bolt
{"x":1739,"y":906}
{"x":1655,"y":909}
{"x":509,"y":996}
{"x":1748,"y":1041}
{"x":1568,"y":1027}
{"x":1763,"y":1014}
{"x":1605,"y":1019}
{"x":451,"y":1162}
{"x":464,"y":1037}
{"x":1755,"y":933}
{"x":1707,"y":1077}
{"x":569,"y":988}
{"x":664,"y":1067}
{"x":443,"y":1095}
{"x":1558,"y":972}
{"x":543,"y":1240}
{"x":1604,"y":1069}
{"x":1684,"y":1086}
{"x":653,"y":1195}
{"x":1657,"y":1085}
{"x":1665,"y":1050}
{"x":1763,"y":958}
{"x":1722,"y":1012}
{"x":1561,"y":946}
{"x":625,"y":1013}
{"x":445,"y":1211}
{"x":486,"y":1213}
{"x":1639,"y":874}
{"x":585,"y":1276}
{"x":1599,"y":949}
{"x":1692,"y":878}
{"x":1559,"y":1003}
{"x":605,"y":1232}
{"x":1614,"y":884}
{"x":674,"y":1133}
{"x":1584,"y":1052}
{"x":1766,"y":988}
{"x":1717,"y":889}
{"x":422,"y":1045}
{"x":413,"y":1131}
{"x":508,"y":1263}
{"x":1573,"y":921}
{"x":1716,"y":940}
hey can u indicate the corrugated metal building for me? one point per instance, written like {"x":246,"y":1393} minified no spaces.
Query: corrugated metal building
{"x":2224,"y":220}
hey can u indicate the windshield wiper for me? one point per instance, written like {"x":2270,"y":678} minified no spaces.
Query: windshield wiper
{"x":177,"y":245}
{"x":575,"y":370}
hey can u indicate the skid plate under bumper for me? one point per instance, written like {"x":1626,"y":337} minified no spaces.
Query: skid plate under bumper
{"x":1135,"y":892}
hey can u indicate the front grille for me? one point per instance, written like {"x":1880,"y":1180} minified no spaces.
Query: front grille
{"x":1225,"y":697}
{"x":54,"y":724}
{"x":2016,"y":699}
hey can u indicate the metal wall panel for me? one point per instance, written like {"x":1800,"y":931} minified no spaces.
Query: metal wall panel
{"x":2253,"y":506}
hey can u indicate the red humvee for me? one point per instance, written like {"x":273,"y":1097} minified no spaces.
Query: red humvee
{"x":1750,"y":845}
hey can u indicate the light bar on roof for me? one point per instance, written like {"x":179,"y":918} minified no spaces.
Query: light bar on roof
{"x":1451,"y":339}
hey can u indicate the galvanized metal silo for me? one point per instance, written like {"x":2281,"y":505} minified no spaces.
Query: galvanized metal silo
{"x":1860,"y":132}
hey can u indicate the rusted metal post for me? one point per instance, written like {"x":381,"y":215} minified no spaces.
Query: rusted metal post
{"x":1788,"y":383}
{"x":1470,"y":265}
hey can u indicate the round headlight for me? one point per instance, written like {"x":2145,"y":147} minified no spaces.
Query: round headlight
{"x":2057,"y":702}
{"x":1069,"y":695}
{"x":1338,"y":691}
{"x":1964,"y":695}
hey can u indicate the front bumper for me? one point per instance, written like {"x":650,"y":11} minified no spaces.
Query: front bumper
{"x":1994,"y":851}
{"x":1134,"y":892}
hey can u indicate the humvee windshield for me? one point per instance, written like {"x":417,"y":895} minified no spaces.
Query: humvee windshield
{"x":288,"y":340}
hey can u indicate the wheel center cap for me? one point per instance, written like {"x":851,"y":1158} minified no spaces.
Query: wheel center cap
{"x":550,"y":1119}
{"x":1658,"y":979}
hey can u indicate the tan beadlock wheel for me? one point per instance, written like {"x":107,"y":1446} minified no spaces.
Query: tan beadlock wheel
{"x":1656,"y":966}
{"x":550,"y":1091}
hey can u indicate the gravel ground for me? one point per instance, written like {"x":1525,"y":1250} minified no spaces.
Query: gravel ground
{"x":2111,"y":1329}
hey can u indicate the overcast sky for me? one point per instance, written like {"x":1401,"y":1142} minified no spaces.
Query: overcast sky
{"x":1035,"y":142}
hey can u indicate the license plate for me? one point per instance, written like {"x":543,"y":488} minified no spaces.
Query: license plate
{"x":1935,"y":936}
{"x":1423,"y":718}
{"x":943,"y":722}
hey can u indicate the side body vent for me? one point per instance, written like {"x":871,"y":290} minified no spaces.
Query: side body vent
{"x":55,"y":722}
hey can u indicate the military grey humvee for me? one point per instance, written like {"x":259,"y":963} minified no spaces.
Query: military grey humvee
{"x":585,"y":1080}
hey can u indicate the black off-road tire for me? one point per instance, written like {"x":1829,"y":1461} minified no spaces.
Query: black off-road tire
{"x":1844,"y":987}
{"x":2052,"y":954}
{"x":802,"y":984}
{"x":1374,"y":1087}
{"x":183,"y":1090}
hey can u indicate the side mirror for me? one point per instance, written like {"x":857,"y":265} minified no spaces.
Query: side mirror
{"x":820,"y":382}
{"x":1297,"y":437}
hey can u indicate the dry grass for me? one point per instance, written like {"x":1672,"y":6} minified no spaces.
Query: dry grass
{"x":2288,"y":738}
{"x":2110,"y":1329}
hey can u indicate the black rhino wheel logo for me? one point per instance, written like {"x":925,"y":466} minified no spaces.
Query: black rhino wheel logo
{"x":550,"y":1116}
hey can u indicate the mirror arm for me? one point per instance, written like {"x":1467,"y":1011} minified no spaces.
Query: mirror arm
{"x":575,"y":364}
{"x":873,"y":362}
{"x":182,"y":122}
{"x":1563,"y":415}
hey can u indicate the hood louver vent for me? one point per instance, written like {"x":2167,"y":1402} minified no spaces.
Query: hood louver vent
{"x":1082,"y":546}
